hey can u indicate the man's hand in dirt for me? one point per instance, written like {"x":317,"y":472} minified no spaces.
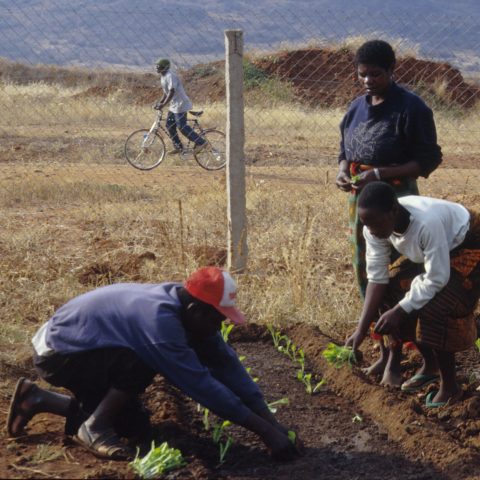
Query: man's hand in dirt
{"x":284,"y":447}
{"x":389,"y":322}
{"x":275,"y":436}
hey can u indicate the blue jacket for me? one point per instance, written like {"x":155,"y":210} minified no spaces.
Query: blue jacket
{"x":147,"y":319}
{"x":396,"y":131}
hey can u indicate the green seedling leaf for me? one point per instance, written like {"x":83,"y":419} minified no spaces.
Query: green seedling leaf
{"x":339,"y":356}
{"x":357,"y":418}
{"x":217,"y":432}
{"x":355,"y":178}
{"x":292,"y":436}
{"x":157,"y":461}
{"x":307,"y":381}
{"x":272,"y":406}
{"x":319,"y":385}
{"x":224,"y":448}
{"x":276,"y":336}
{"x":225,"y":331}
{"x":477,"y":344}
{"x":205,"y":420}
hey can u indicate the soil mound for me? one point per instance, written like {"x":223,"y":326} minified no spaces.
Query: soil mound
{"x":321,"y":77}
{"x":326,"y":77}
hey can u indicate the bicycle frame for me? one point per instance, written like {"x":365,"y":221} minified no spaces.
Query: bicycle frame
{"x":145,"y":149}
{"x":157,"y":125}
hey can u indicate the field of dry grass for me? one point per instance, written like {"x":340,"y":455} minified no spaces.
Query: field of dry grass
{"x":75,"y":216}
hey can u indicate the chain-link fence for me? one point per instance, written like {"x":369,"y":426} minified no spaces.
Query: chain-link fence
{"x":299,"y":74}
{"x":77,"y":77}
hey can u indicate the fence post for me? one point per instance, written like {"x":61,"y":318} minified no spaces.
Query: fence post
{"x":237,"y":224}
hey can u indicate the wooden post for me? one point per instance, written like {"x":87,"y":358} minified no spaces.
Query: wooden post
{"x":237,"y":224}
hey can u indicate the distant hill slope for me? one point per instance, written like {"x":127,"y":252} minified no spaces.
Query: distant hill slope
{"x":132,"y":34}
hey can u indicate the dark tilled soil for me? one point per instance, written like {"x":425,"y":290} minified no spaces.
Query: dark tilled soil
{"x":395,"y":436}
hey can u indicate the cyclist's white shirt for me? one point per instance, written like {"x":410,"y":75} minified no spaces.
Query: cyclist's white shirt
{"x":180,"y":103}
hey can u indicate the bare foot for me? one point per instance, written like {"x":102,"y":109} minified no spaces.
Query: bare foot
{"x":376,"y":368}
{"x":444,"y":396}
{"x":391,"y":379}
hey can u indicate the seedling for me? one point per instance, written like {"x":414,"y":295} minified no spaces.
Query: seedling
{"x":272,"y":406}
{"x":277,"y":337}
{"x":355,"y":178}
{"x":285,"y":348}
{"x":157,"y":461}
{"x":225,"y":331}
{"x":218,"y":430}
{"x":339,"y":356}
{"x":306,"y":379}
{"x":301,"y":359}
{"x":205,"y":420}
{"x":293,"y":352}
{"x":477,"y":344}
{"x":292,"y":436}
{"x":224,"y":448}
{"x":357,"y":418}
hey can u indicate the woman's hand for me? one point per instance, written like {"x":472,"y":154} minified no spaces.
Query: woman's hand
{"x":354,"y":341}
{"x":389,"y":322}
{"x":343,"y":181}
{"x":360,"y":180}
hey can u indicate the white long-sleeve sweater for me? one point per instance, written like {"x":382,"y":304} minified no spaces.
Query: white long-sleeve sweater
{"x":436,"y":227}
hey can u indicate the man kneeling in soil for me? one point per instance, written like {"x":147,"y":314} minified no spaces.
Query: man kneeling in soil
{"x":106,"y":346}
{"x":429,"y":294}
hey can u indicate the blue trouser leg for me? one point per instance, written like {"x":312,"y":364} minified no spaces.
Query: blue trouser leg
{"x":172,"y":130}
{"x":187,"y":130}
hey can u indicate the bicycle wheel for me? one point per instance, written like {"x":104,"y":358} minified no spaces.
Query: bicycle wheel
{"x":212,"y":157}
{"x":144,"y":150}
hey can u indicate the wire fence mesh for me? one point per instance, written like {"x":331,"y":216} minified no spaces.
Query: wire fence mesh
{"x":76,"y":215}
{"x":299,"y":74}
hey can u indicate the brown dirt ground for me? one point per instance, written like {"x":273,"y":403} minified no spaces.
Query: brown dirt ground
{"x":396,"y":434}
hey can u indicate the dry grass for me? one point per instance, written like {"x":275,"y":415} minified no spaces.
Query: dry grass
{"x":87,"y":219}
{"x":62,"y":124}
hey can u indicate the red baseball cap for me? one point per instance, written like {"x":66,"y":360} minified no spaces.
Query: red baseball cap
{"x":217,"y":288}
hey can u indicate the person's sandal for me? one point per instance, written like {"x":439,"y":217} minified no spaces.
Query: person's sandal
{"x":23,"y":388}
{"x":106,"y":445}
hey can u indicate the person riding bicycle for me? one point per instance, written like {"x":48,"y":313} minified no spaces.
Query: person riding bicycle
{"x":174,"y":94}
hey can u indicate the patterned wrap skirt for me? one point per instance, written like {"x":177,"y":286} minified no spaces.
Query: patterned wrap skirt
{"x":447,"y":322}
{"x":402,"y":187}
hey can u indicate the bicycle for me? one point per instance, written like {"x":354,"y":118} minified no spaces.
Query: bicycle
{"x":145,"y":149}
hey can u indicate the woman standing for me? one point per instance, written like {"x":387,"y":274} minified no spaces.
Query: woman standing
{"x":387,"y":134}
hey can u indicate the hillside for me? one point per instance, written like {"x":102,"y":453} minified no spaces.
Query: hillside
{"x":315,"y":77}
{"x":124,"y":33}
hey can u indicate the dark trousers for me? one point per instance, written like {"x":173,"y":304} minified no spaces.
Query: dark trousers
{"x":89,"y":375}
{"x":179,"y":120}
